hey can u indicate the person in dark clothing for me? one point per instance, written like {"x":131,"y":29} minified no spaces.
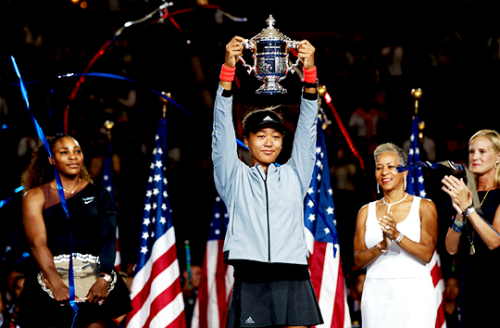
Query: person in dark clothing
{"x":477,"y":233}
{"x":47,"y":228}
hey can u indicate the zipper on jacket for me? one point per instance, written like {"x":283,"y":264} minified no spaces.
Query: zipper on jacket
{"x":268,"y":223}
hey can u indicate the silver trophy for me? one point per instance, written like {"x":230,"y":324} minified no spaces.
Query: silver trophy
{"x":270,"y":58}
{"x":85,"y":271}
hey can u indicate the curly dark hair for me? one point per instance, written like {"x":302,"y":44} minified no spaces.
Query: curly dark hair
{"x":40,"y":171}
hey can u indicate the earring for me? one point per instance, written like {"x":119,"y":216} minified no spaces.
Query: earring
{"x":496,"y":165}
{"x":404,"y":186}
{"x":378,"y":188}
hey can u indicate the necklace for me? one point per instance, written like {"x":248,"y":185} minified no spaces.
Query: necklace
{"x":392,"y":204}
{"x":72,"y":192}
{"x":472,"y":250}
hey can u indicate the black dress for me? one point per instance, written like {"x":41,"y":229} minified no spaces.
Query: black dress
{"x":93,"y":224}
{"x":480,"y":287}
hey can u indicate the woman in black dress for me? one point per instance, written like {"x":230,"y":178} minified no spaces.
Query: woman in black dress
{"x":47,"y":228}
{"x":477,"y":235}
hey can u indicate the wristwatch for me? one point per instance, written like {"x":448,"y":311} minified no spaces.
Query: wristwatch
{"x":468,"y":211}
{"x":105,"y":276}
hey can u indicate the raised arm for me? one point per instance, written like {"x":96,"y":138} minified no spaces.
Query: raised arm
{"x":224,"y":148}
{"x":34,"y":226}
{"x":233,"y":49}
{"x":304,"y":143}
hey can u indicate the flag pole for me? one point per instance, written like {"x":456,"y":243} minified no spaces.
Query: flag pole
{"x":107,"y":182}
{"x":109,"y":125}
{"x":416,"y":94}
{"x":165,"y":102}
{"x":188,"y":262}
{"x":321,"y":92}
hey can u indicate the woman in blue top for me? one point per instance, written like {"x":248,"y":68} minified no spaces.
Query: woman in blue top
{"x":265,"y":241}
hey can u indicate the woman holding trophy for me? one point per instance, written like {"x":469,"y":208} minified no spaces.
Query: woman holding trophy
{"x":44,"y":301}
{"x":265,"y":240}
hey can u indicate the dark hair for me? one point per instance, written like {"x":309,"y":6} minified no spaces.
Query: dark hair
{"x":40,"y":171}
{"x":277,"y":110}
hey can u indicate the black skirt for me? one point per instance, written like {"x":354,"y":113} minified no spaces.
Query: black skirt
{"x":270,"y":294}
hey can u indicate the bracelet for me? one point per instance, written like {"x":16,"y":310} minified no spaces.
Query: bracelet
{"x":400,"y":237}
{"x":457,"y":226}
{"x":227,"y":73}
{"x":312,"y":85}
{"x":468,"y":211}
{"x":380,"y":248}
{"x":310,"y":75}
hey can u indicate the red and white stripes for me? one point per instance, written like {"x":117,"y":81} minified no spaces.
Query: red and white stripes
{"x":215,"y":289}
{"x":156,"y":290}
{"x":328,"y":281}
{"x":438,"y":281}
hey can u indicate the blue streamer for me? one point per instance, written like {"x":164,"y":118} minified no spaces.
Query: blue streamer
{"x":428,"y":164}
{"x":118,"y":77}
{"x":5,"y":201}
{"x":60,"y":190}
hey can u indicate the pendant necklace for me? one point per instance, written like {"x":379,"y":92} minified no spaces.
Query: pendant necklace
{"x":472,"y":250}
{"x":72,"y":192}
{"x":392,"y":204}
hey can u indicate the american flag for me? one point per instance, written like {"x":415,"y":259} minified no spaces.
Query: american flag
{"x":416,"y":187}
{"x":216,"y":283}
{"x":321,"y":234}
{"x":156,"y":288}
{"x":107,"y":182}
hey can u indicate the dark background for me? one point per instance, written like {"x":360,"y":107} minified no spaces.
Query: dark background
{"x":451,"y":52}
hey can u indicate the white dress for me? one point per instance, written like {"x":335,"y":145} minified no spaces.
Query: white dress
{"x":398,"y":290}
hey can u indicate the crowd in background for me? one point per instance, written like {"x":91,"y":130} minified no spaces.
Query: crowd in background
{"x":368,"y":70}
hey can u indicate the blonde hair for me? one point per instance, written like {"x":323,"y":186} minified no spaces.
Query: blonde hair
{"x":494,"y":137}
{"x":389,"y":147}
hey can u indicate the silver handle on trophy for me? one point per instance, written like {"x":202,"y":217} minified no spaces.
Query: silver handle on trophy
{"x":293,"y":45}
{"x":248,"y":45}
{"x":250,"y":68}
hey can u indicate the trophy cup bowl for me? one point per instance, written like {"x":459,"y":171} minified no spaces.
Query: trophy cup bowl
{"x":270,"y":55}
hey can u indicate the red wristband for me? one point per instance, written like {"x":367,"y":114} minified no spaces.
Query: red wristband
{"x":227,"y":73}
{"x":310,"y":75}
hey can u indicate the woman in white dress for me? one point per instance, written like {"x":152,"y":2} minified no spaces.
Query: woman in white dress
{"x":395,"y":239}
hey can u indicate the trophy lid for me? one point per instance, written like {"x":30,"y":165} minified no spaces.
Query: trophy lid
{"x":270,"y":32}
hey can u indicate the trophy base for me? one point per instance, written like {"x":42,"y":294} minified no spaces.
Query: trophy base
{"x":271,"y":90}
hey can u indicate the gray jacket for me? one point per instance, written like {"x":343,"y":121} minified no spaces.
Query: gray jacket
{"x":266,"y":214}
